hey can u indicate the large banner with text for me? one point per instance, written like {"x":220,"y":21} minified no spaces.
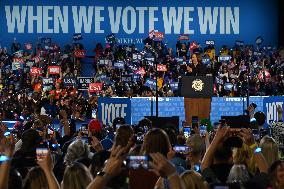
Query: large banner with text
{"x":131,"y":21}
{"x":111,"y":108}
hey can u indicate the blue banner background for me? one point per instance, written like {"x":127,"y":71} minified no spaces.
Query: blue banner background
{"x":110,"y":108}
{"x":256,"y":18}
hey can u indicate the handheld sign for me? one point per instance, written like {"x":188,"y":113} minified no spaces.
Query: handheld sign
{"x":156,"y":36}
{"x":183,"y":37}
{"x":222,"y":58}
{"x":83,"y":82}
{"x":137,"y":56}
{"x":53,"y":70}
{"x":136,"y":77}
{"x":95,"y":87}
{"x":174,"y":86}
{"x":69,"y":81}
{"x":45,"y":40}
{"x":206,"y":61}
{"x":118,"y":65}
{"x":210,"y":42}
{"x":259,"y":40}
{"x":35,"y":71}
{"x":47,"y":81}
{"x":161,"y":68}
{"x":239,"y":43}
{"x":77,"y":36}
{"x":79,"y":53}
{"x":151,"y":83}
{"x":141,"y":71}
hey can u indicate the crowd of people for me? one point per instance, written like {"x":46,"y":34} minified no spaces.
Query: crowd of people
{"x":35,"y":78}
{"x":138,"y":156}
{"x":33,"y":92}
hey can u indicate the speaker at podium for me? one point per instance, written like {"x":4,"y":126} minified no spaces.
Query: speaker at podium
{"x":196,"y":87}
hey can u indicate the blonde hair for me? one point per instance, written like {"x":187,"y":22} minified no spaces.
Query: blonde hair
{"x":76,"y":176}
{"x":269,"y":149}
{"x":193,"y":180}
{"x":35,"y":179}
{"x":244,"y":156}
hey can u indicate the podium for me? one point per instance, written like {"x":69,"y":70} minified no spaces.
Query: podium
{"x":196,"y":87}
{"x":197,"y":92}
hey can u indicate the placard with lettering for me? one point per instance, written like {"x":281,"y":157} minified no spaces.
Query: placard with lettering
{"x":126,"y":78}
{"x":79,"y":53}
{"x":136,"y":77}
{"x":183,"y":37}
{"x":210,"y":42}
{"x":83,"y":82}
{"x":17,"y":65}
{"x":35,"y":71}
{"x":69,"y":81}
{"x":141,"y":71}
{"x":77,"y":36}
{"x":53,"y":70}
{"x":161,"y":68}
{"x":47,"y":81}
{"x":174,"y":86}
{"x":111,"y":108}
{"x":118,"y":65}
{"x":95,"y":87}
{"x":136,"y":56}
{"x":150,"y":83}
{"x":104,"y":62}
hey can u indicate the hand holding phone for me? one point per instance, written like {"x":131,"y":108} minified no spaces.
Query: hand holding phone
{"x":136,"y":162}
{"x":181,"y":149}
{"x":186,"y":132}
{"x":41,"y":153}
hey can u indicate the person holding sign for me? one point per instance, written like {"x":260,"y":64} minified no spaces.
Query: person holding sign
{"x":196,"y":68}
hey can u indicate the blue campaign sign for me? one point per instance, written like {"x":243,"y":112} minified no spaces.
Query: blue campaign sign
{"x":118,"y":65}
{"x":232,"y":106}
{"x":174,"y":86}
{"x":136,"y":77}
{"x":110,"y":108}
{"x":168,"y":106}
{"x":270,"y":105}
{"x":130,"y":21}
{"x":151,"y":83}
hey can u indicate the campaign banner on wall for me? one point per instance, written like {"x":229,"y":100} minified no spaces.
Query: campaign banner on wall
{"x":110,"y":108}
{"x":146,"y":106}
{"x":232,"y":106}
{"x":131,"y":21}
{"x":270,"y":106}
